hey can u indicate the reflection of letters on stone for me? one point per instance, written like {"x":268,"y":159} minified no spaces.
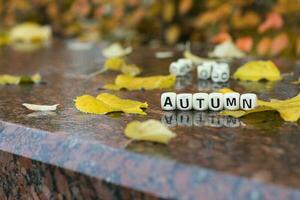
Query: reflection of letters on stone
{"x":208,"y":85}
{"x":183,"y":81}
{"x":198,"y":119}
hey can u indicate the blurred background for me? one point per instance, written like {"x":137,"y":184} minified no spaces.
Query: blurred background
{"x":260,"y":27}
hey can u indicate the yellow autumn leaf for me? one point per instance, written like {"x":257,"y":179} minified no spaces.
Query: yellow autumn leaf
{"x":105,"y":103}
{"x":119,"y":64}
{"x":225,"y":90}
{"x":116,"y":50}
{"x":167,"y":54}
{"x":114,"y":64}
{"x":258,"y":70}
{"x":125,"y":105}
{"x":150,"y":130}
{"x":130,"y":69}
{"x":138,"y":83}
{"x":36,"y":78}
{"x":241,"y":113}
{"x":288,"y":109}
{"x":9,"y":79}
{"x":89,"y":104}
{"x":296,"y":82}
{"x":30,"y":33}
{"x":4,"y":39}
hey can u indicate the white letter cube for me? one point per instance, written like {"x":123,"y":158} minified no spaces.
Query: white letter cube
{"x":187,"y":63}
{"x":216,"y":101}
{"x":200,"y":101}
{"x":184,"y":101}
{"x":232,"y":101}
{"x":168,"y":100}
{"x":248,"y":101}
{"x":177,"y":69}
{"x":220,"y":73}
{"x":204,"y":70}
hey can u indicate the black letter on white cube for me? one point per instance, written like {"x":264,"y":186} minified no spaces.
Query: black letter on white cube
{"x":168,"y":101}
{"x":220,"y":73}
{"x":200,"y":101}
{"x":188,"y":64}
{"x":232,"y":101}
{"x":204,"y":70}
{"x":177,"y":69}
{"x":184,"y":101}
{"x":215,"y":101}
{"x":248,"y":101}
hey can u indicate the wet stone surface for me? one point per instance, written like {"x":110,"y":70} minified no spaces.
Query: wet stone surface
{"x":260,"y":147}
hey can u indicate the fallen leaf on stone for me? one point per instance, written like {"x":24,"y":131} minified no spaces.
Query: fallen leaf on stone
{"x":227,"y":49}
{"x":241,"y":113}
{"x":131,"y":69}
{"x":119,"y":64}
{"x":89,"y":104}
{"x":288,"y":109}
{"x":258,"y":70}
{"x":164,"y":54}
{"x":106,"y":103}
{"x":36,"y":107}
{"x":296,"y":82}
{"x":225,"y":90}
{"x":114,"y":64}
{"x":9,"y":79}
{"x":125,"y":105}
{"x":138,"y":83}
{"x":150,"y":130}
{"x":4,"y":39}
{"x":116,"y":50}
{"x":258,"y":86}
{"x":30,"y":33}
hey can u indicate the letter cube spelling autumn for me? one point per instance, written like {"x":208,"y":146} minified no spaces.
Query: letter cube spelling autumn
{"x":168,"y":101}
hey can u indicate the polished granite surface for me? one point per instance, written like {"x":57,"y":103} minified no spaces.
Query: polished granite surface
{"x":256,"y":157}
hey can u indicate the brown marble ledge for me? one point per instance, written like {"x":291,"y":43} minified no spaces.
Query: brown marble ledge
{"x":259,"y":159}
